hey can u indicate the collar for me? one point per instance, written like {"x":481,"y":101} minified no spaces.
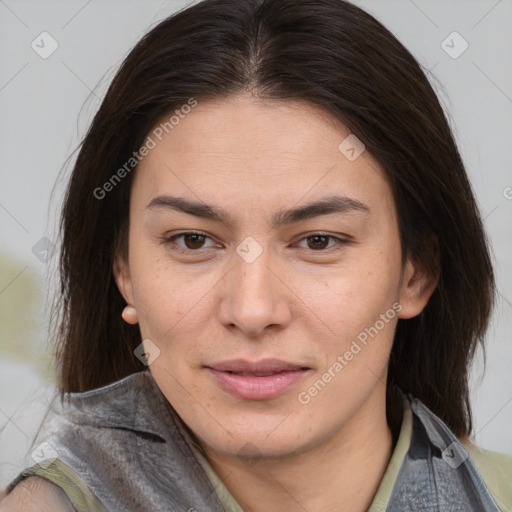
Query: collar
{"x":134,"y":403}
{"x":431,"y":472}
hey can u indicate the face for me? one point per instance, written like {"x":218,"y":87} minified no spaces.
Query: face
{"x":264,"y":263}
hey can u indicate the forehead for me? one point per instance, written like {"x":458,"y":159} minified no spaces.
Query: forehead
{"x":244,"y":150}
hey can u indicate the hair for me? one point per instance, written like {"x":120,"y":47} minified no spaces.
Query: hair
{"x":337,"y":57}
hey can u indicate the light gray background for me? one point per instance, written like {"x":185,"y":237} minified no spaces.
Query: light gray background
{"x":44,"y":112}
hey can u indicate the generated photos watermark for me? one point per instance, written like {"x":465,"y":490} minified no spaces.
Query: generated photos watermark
{"x":150,"y":143}
{"x":356,"y":346}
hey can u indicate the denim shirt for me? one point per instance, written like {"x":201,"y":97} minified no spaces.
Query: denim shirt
{"x":437,"y":474}
{"x":122,"y":441}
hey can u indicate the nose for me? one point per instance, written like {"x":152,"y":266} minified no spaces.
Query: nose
{"x":255,"y":298}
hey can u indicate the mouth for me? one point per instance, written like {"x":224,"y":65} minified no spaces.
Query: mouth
{"x":256,"y":374}
{"x":257,"y":381}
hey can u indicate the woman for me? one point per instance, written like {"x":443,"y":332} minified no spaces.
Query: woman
{"x":272,"y":286}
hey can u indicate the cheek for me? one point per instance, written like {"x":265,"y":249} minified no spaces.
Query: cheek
{"x":353,"y":295}
{"x":358,"y":308}
{"x":167,"y":300}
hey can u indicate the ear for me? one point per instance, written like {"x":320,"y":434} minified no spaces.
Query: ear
{"x":122,"y":277}
{"x":416,"y":289}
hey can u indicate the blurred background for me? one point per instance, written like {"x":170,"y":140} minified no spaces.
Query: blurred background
{"x":57,"y":59}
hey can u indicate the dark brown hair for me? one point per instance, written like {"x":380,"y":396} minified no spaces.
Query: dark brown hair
{"x":336,"y":56}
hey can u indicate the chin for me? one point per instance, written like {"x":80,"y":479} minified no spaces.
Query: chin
{"x":256,"y":439}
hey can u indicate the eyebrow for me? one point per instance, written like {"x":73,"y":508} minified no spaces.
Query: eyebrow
{"x":324,"y":206}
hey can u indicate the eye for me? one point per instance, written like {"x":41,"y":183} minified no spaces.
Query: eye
{"x":193,"y":241}
{"x":320,"y":241}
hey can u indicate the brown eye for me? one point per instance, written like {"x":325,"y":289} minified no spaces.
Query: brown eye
{"x":194,"y":240}
{"x":188,"y":242}
{"x":318,"y":242}
{"x":323,"y":243}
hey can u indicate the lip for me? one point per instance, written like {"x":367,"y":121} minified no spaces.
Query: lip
{"x":247,"y":380}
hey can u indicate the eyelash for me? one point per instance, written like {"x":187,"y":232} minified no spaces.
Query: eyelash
{"x":169,"y":241}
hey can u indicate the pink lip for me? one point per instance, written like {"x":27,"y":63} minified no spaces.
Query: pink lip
{"x":251,"y":385}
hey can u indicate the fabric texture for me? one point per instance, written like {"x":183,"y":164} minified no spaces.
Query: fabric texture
{"x":119,"y":449}
{"x":82,"y":499}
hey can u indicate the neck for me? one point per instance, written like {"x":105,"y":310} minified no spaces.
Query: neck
{"x":341,"y":474}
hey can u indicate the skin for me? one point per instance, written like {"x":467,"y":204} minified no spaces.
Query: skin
{"x":301,"y":300}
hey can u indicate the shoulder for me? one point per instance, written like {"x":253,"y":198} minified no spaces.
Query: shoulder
{"x":496,"y":470}
{"x":93,"y":445}
{"x":36,"y":494}
{"x":487,"y":473}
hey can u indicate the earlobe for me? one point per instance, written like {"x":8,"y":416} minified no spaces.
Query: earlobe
{"x":416,"y":290}
{"x":129,"y":315}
